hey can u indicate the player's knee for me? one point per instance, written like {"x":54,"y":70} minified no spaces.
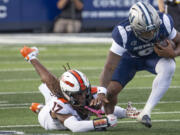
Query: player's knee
{"x":166,"y":66}
{"x":172,"y":67}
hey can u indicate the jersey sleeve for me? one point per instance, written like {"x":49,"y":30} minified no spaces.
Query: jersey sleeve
{"x":117,"y":49}
{"x":117,"y":36}
{"x":169,"y":26}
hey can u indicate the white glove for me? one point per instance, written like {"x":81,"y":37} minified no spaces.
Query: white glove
{"x":112,"y":120}
{"x":132,"y":112}
{"x":29,"y":53}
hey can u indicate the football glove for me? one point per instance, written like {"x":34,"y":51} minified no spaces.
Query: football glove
{"x":132,"y":112}
{"x":112,"y":120}
{"x":29,"y":53}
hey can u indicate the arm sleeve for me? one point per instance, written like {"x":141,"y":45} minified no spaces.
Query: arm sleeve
{"x":74,"y":125}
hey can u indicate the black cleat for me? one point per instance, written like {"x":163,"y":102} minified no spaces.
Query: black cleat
{"x":146,"y":120}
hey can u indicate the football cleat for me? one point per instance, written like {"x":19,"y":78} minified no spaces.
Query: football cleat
{"x":146,"y":120}
{"x":36,"y":107}
{"x":131,"y":112}
{"x":29,"y":53}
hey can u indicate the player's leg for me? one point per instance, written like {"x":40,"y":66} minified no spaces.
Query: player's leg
{"x":165,"y":69}
{"x":124,"y":72}
{"x":45,"y":92}
{"x":47,"y":122}
{"x":36,"y":107}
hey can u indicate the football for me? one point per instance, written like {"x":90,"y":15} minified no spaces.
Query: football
{"x":164,"y":43}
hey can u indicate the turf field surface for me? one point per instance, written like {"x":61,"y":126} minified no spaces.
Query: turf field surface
{"x":19,"y":88}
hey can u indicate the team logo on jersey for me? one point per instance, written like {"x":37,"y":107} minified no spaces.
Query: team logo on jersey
{"x":133,"y":43}
{"x":128,"y":28}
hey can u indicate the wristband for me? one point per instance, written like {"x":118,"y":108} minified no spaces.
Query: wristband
{"x":101,"y":90}
{"x":100,"y":123}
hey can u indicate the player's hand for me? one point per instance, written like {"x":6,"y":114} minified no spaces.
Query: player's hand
{"x":165,"y":51}
{"x":29,"y":53}
{"x":112,"y":120}
{"x":100,"y":100}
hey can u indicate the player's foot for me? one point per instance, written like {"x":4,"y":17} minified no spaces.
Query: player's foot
{"x":132,"y":112}
{"x":36,"y":107}
{"x":145,"y":120}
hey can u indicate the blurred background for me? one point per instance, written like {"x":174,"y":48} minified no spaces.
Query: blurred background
{"x":39,"y":16}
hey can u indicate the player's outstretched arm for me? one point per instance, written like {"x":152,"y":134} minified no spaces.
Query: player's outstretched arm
{"x":30,"y":54}
{"x":111,"y":63}
{"x":74,"y":125}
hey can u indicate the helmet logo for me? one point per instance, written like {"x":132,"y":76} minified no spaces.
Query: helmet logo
{"x":150,"y":27}
{"x":68,"y":83}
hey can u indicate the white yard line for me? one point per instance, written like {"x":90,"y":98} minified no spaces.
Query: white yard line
{"x":5,"y":105}
{"x":18,"y":126}
{"x":35,"y":79}
{"x":144,"y":88}
{"x":3,"y":108}
{"x":161,"y":102}
{"x":32,"y":92}
{"x":3,"y":102}
{"x":80,"y":68}
{"x":178,"y":120}
{"x":14,"y":93}
{"x":32,"y":69}
{"x":16,"y":80}
{"x":175,"y":112}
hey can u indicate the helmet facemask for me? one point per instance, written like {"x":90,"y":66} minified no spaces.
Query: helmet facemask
{"x":79,"y":99}
{"x":147,"y":35}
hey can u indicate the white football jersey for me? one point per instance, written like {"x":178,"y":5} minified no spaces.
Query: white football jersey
{"x":59,"y":106}
{"x":55,"y":105}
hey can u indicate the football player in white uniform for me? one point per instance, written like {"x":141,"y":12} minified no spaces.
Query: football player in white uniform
{"x":67,"y":100}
